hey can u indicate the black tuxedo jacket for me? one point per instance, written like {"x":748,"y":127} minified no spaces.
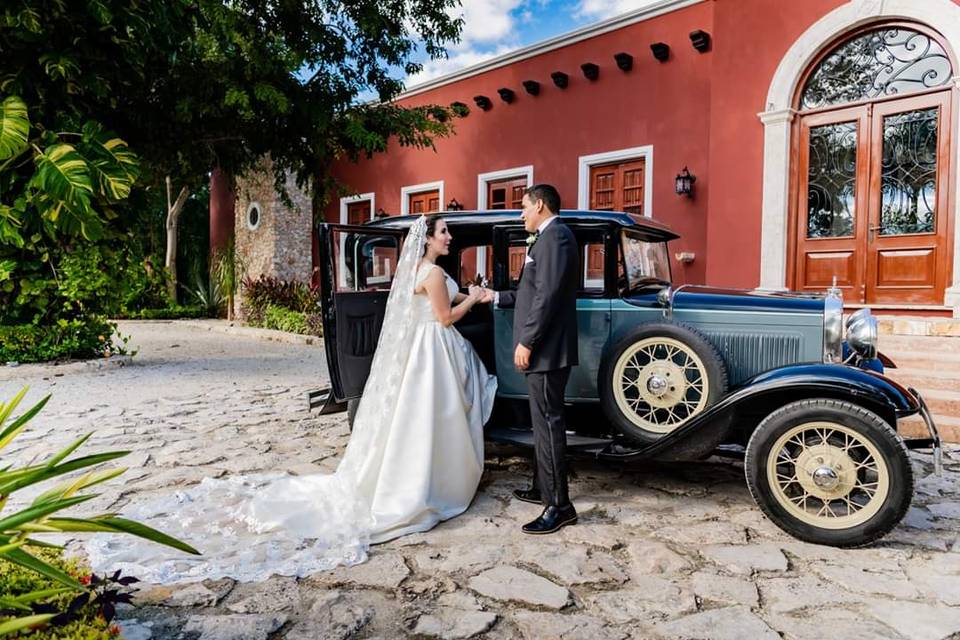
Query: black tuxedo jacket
{"x":545,"y":302}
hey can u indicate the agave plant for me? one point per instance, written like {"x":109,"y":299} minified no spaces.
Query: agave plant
{"x":228,"y":268}
{"x":45,"y":513}
{"x":207,"y":294}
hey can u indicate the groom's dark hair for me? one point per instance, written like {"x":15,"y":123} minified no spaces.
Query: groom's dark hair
{"x":547,"y":194}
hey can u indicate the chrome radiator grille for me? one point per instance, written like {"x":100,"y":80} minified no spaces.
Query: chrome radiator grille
{"x":746,"y":355}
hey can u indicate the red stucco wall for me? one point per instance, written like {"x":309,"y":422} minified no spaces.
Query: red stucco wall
{"x":697,"y":110}
{"x":752,"y":38}
{"x":663,"y":104}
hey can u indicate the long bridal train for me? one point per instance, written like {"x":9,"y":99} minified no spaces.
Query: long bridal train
{"x":414,"y":459}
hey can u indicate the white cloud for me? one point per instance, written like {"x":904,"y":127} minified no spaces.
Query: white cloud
{"x":487,"y":21}
{"x":457,"y":60}
{"x":489,"y":30}
{"x":600,"y":9}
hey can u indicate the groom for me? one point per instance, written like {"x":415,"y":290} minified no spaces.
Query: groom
{"x":545,"y":339}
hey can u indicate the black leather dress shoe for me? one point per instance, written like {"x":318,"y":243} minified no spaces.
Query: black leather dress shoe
{"x":552,"y":519}
{"x":528,"y":495}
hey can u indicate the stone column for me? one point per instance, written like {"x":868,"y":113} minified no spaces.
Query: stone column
{"x":776,"y":192}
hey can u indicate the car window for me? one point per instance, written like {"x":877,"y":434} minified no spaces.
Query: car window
{"x":644,"y":262}
{"x":364,"y":262}
{"x":475,"y":264}
{"x":591,"y":274}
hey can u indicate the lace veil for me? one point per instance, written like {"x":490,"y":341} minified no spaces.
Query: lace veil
{"x":249,"y":527}
{"x":390,"y":357}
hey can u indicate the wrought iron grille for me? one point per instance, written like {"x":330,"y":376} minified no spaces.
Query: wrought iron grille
{"x":879,"y":63}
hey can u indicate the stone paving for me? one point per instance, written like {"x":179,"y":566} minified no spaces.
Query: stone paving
{"x":661,"y":551}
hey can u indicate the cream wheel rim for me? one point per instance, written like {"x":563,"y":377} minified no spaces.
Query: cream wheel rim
{"x":660,"y":383}
{"x":828,"y":475}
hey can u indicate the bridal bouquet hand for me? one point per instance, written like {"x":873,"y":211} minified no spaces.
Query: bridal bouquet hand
{"x":484,"y":295}
{"x":475,"y":294}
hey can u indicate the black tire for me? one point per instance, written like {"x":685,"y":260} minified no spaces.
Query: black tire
{"x":648,"y":423}
{"x":860,"y":517}
{"x":352,"y":411}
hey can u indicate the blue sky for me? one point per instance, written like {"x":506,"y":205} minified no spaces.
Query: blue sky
{"x":495,"y":27}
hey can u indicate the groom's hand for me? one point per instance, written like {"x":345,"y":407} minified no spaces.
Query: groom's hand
{"x":521,"y":357}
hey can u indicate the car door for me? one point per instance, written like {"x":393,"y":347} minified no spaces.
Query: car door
{"x":593,"y":308}
{"x":357,"y":267}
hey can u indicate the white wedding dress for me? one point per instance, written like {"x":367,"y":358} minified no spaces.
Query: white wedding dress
{"x":414,"y":458}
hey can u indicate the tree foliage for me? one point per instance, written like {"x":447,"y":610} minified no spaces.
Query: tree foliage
{"x":100,"y":99}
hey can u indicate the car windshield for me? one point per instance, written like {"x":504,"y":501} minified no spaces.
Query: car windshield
{"x":646,"y":263}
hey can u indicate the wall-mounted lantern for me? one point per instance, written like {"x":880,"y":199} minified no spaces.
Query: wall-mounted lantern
{"x":453,"y":205}
{"x":507,"y":95}
{"x":483,"y":102}
{"x":532,"y":87}
{"x":560,"y":79}
{"x":661,"y":51}
{"x":683,"y":183}
{"x":624,"y":61}
{"x":590,"y":71}
{"x":700,"y":40}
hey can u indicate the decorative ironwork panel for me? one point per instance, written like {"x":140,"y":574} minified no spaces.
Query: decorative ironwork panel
{"x":832,"y":180}
{"x":879,"y":63}
{"x":908,"y":174}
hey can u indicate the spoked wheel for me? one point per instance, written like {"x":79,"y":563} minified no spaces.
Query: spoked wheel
{"x":658,"y":378}
{"x":829,"y":472}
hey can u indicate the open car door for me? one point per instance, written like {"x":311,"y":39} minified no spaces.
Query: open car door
{"x":357,"y":267}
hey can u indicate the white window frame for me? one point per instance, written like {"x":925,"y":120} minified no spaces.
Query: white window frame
{"x":503,"y":174}
{"x":609,"y":157}
{"x":492,"y":176}
{"x":413,"y":189}
{"x":371,"y":196}
{"x":250,"y":207}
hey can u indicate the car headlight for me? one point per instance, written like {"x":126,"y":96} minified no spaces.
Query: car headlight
{"x":833,"y":326}
{"x":862,"y":333}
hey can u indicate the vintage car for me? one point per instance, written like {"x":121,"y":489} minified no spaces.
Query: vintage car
{"x":665,"y":373}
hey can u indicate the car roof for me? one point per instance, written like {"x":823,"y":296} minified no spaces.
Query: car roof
{"x":653,"y":229}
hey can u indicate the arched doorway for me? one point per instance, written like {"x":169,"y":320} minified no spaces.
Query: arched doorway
{"x":873,"y":137}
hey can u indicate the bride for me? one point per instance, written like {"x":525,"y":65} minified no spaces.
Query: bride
{"x":414,"y":458}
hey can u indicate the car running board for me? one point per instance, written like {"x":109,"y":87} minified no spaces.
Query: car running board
{"x":524,"y":438}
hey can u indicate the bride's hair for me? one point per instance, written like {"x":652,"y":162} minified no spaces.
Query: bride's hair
{"x":432,"y":224}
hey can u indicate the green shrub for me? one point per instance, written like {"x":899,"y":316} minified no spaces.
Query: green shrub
{"x":173,"y":312}
{"x":89,"y":337}
{"x":88,"y":625}
{"x":284,"y":319}
{"x":52,"y":512}
{"x":315,"y":324}
{"x":267,"y":290}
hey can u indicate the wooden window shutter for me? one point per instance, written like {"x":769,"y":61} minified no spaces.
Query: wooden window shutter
{"x":358,"y":212}
{"x":603,"y":188}
{"x":618,"y":187}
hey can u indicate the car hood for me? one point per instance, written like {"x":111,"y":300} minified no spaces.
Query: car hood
{"x":700,"y":297}
{"x":756,"y":300}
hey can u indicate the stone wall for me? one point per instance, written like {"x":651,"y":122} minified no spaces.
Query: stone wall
{"x":280,"y":245}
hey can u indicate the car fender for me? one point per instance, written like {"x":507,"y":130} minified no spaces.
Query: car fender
{"x":772,"y":389}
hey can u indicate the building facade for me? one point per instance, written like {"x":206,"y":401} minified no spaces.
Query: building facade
{"x":822,"y":135}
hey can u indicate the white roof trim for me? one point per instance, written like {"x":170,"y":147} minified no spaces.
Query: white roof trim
{"x":610,"y":24}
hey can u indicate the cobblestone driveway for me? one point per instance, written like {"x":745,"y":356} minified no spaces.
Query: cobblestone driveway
{"x":660,"y":552}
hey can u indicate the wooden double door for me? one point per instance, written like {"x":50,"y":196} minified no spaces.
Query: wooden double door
{"x":872,"y":201}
